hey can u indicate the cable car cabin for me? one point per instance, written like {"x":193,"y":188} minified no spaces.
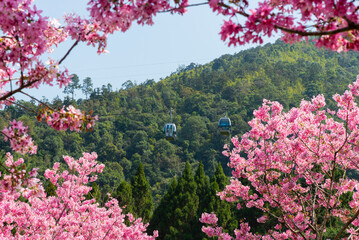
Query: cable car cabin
{"x":224,"y":125}
{"x":170,"y":131}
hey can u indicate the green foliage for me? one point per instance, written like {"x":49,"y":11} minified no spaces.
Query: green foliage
{"x":163,"y":217}
{"x":202,"y":182}
{"x":50,"y":190}
{"x":185,"y":212}
{"x":176,"y":215}
{"x":141,"y":193}
{"x":95,"y":193}
{"x":123,"y":194}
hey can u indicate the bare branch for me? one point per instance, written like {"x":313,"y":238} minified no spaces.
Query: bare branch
{"x":69,"y":51}
{"x":36,"y":100}
{"x":192,"y":5}
{"x":22,"y":106}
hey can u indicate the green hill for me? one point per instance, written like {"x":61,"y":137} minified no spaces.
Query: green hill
{"x":129,"y":130}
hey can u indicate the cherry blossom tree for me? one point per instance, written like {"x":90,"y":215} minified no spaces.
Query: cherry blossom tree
{"x":297,"y":164}
{"x":27,"y":213}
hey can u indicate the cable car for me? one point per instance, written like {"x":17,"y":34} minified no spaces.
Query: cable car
{"x":224,"y":125}
{"x":169,"y":129}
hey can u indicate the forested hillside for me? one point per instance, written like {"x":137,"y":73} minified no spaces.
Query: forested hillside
{"x":129,"y":130}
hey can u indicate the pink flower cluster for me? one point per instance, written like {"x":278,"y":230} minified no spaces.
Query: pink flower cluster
{"x":68,"y":215}
{"x":71,"y":118}
{"x":212,"y":230}
{"x":296,"y":164}
{"x":20,"y":142}
{"x":25,"y":37}
{"x":334,"y":23}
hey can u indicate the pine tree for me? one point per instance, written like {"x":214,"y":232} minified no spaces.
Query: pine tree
{"x":141,"y":193}
{"x":87,"y":86}
{"x":72,"y":86}
{"x":123,"y":194}
{"x":163,"y":217}
{"x":185,"y":213}
{"x":220,"y":178}
{"x":202,"y":182}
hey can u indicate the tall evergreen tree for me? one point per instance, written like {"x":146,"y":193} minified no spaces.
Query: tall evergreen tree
{"x":72,"y":86}
{"x":202,"y":182}
{"x":185,"y":213}
{"x":163,"y":216}
{"x":87,"y":86}
{"x":123,"y":194}
{"x":141,"y":193}
{"x":220,"y":178}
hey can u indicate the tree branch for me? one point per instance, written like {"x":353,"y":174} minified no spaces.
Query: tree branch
{"x":37,"y":100}
{"x":347,"y":225}
{"x":351,"y":26}
{"x":69,"y":51}
{"x":192,"y":5}
{"x":22,"y":106}
{"x":318,"y":33}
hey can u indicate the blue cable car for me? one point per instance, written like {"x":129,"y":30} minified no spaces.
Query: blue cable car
{"x":169,"y":129}
{"x":224,"y":125}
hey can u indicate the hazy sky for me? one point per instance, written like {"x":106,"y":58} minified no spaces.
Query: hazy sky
{"x":143,"y":52}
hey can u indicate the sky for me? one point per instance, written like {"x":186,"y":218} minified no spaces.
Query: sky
{"x":143,"y":52}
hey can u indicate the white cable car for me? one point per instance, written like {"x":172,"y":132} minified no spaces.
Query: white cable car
{"x":224,"y":125}
{"x":169,"y":129}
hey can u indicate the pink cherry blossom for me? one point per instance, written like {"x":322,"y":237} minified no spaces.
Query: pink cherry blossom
{"x":68,"y":215}
{"x":20,"y":141}
{"x":68,"y":118}
{"x":296,"y":164}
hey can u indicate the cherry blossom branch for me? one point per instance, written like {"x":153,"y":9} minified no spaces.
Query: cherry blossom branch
{"x":69,"y":51}
{"x":282,"y":213}
{"x":4,"y":168}
{"x":314,"y":215}
{"x":57,"y":220}
{"x":318,"y":33}
{"x":30,"y":83}
{"x":346,"y":225}
{"x":351,"y":26}
{"x":299,"y":197}
{"x":108,"y":231}
{"x":286,"y":222}
{"x":26,"y":85}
